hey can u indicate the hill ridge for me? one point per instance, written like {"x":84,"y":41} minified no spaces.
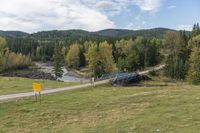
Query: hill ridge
{"x":157,"y":32}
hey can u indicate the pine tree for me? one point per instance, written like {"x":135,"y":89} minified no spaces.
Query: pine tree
{"x":152,"y":56}
{"x":2,"y":51}
{"x":37,"y":53}
{"x":2,"y":45}
{"x":195,"y":30}
{"x":198,"y":29}
{"x":82,"y":56}
{"x":58,"y":61}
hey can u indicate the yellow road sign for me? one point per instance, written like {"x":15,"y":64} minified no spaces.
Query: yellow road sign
{"x":36,"y":87}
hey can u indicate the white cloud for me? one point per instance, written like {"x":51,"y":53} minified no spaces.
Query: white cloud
{"x":108,"y":7}
{"x":92,"y":15}
{"x":133,"y":26}
{"x":137,"y":23}
{"x":148,"y":5}
{"x":119,"y":5}
{"x":186,"y":27}
{"x":31,"y":15}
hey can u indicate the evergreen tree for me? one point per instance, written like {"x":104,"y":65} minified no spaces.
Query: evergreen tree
{"x":38,"y":53}
{"x":82,"y":56}
{"x":195,"y":30}
{"x":2,"y":51}
{"x":141,"y":49}
{"x":152,"y":55}
{"x":58,"y":61}
{"x":137,"y":54}
{"x":128,"y":55}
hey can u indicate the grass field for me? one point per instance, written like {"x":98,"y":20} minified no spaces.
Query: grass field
{"x":167,"y":109}
{"x":10,"y":85}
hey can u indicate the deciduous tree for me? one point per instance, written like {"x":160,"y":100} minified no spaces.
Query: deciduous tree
{"x":73,"y":56}
{"x":100,"y":58}
{"x":194,"y":69}
{"x":177,"y":58}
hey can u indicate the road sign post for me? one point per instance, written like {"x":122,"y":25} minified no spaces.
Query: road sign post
{"x":37,"y":90}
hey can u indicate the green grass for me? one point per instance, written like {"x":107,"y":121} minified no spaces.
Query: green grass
{"x":169,"y":109}
{"x":10,"y":85}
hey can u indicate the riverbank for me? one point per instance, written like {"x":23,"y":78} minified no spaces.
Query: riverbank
{"x":28,"y":73}
{"x":41,"y":70}
{"x":68,"y":75}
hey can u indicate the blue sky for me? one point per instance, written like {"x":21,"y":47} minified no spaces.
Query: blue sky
{"x":93,"y":15}
{"x":176,"y":14}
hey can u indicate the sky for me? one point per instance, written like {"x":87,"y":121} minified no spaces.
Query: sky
{"x":93,"y":15}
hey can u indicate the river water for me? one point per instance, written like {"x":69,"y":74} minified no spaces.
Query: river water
{"x":67,"y":77}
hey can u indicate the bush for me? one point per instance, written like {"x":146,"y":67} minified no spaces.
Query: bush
{"x":152,"y":73}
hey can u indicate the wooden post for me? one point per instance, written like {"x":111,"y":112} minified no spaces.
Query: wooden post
{"x":40,"y":96}
{"x":93,"y":81}
{"x":35,"y":96}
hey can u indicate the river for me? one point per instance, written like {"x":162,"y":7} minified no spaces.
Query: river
{"x":67,"y":76}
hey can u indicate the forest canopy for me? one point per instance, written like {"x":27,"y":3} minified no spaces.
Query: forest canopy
{"x":106,"y":51}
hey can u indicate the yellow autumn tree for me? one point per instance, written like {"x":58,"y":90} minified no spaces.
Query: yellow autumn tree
{"x":72,"y":59}
{"x":99,"y":58}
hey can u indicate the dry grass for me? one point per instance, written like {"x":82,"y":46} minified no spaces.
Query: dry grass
{"x":172,"y":108}
{"x":9,"y":85}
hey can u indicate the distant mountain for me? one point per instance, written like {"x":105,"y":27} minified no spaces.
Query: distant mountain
{"x":149,"y":33}
{"x":13,"y":34}
{"x":85,"y":35}
{"x":114,"y":32}
{"x":107,"y":33}
{"x":62,"y":34}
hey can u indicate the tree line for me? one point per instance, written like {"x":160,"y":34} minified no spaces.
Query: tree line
{"x":183,"y":55}
{"x":10,"y":60}
{"x":103,"y":57}
{"x":178,"y":50}
{"x":100,"y":56}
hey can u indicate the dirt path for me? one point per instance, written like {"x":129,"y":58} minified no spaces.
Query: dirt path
{"x":10,"y":97}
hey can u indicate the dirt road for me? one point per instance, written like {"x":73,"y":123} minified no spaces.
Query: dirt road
{"x":10,"y":97}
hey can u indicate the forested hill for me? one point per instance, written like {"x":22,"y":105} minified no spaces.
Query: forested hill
{"x":13,"y":34}
{"x":66,"y":35}
{"x":110,"y":33}
{"x":147,"y":33}
{"x":85,"y":35}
